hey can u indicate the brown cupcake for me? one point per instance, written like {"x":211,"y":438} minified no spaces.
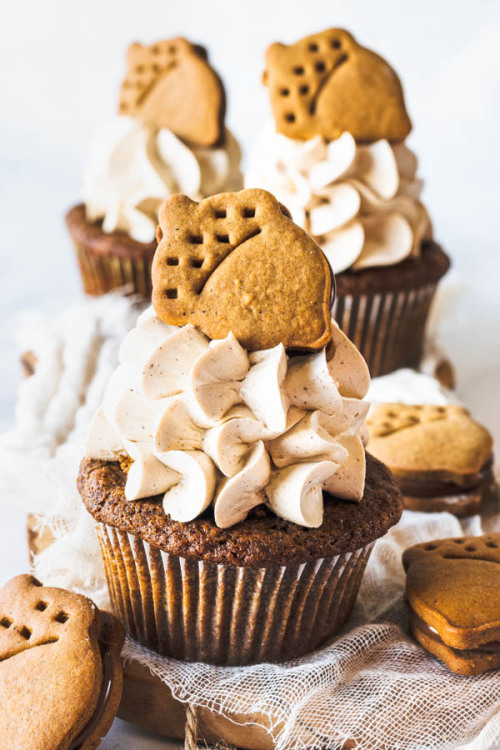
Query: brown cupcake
{"x":234,"y":504}
{"x":171,"y":115}
{"x":263,"y":590}
{"x":384,"y":310}
{"x":109,"y":261}
{"x":336,"y":157}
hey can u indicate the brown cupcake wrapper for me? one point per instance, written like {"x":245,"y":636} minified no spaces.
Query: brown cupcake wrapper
{"x":224,"y":614}
{"x":103,"y":273}
{"x":388,"y":328}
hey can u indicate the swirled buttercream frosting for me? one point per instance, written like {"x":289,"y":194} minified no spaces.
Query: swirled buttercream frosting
{"x":208,"y":422}
{"x":133,"y":166}
{"x":360,"y":202}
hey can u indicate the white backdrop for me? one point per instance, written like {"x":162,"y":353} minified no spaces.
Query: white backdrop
{"x":61,"y":63}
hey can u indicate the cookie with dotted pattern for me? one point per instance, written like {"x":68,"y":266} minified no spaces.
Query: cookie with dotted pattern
{"x":453,"y":591}
{"x":60,"y":671}
{"x":327,"y":83}
{"x":237,"y":262}
{"x":171,"y":85}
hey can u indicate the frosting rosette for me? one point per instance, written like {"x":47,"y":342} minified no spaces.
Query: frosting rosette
{"x":360,"y":202}
{"x":133,"y":166}
{"x":207,"y":422}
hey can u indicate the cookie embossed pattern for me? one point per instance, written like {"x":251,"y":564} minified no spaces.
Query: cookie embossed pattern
{"x":224,"y":265}
{"x":327,"y":83}
{"x":162,"y":83}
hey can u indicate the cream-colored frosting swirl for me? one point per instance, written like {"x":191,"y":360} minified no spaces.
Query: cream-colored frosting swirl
{"x":132,"y":167}
{"x":360,"y":202}
{"x":208,"y":422}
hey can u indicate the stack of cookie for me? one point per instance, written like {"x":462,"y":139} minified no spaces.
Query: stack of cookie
{"x":453,"y":588}
{"x":60,"y":668}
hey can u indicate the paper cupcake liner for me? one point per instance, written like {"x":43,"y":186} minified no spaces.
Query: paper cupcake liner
{"x":102,"y":273}
{"x":389,"y":328}
{"x":224,"y":614}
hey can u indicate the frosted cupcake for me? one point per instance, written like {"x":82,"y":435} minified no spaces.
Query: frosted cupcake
{"x":336,"y":157}
{"x":169,"y":137}
{"x":226,"y":471}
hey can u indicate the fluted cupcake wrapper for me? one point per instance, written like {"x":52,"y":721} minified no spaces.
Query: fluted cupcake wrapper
{"x":224,"y":614}
{"x":102,"y":273}
{"x":387,"y":328}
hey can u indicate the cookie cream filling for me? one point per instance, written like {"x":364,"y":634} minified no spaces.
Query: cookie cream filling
{"x":418,"y":623}
{"x":360,"y":202}
{"x":431,"y":486}
{"x":209,"y":422}
{"x":132,"y":167}
{"x":93,"y":725}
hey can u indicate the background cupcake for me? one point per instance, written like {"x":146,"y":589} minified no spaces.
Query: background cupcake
{"x":235,"y":507}
{"x":169,"y":137}
{"x":336,"y":158}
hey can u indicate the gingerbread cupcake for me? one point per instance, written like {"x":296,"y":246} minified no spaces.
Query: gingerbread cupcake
{"x":225,"y":469}
{"x":336,"y":157}
{"x":169,"y":137}
{"x":441,"y":458}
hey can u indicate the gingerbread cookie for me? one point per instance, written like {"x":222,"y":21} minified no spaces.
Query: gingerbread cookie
{"x":327,"y":83}
{"x":60,"y":670}
{"x":453,"y":589}
{"x":439,"y":455}
{"x":237,"y":262}
{"x":171,"y":85}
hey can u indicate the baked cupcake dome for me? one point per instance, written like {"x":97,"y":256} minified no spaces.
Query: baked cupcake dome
{"x":263,"y":590}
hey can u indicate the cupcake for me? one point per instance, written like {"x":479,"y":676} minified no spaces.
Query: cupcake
{"x":336,"y":157}
{"x":442,"y":459}
{"x":168,"y":137}
{"x":225,"y":469}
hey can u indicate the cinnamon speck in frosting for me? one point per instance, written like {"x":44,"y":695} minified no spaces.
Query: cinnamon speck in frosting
{"x":208,"y":422}
{"x":360,"y":201}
